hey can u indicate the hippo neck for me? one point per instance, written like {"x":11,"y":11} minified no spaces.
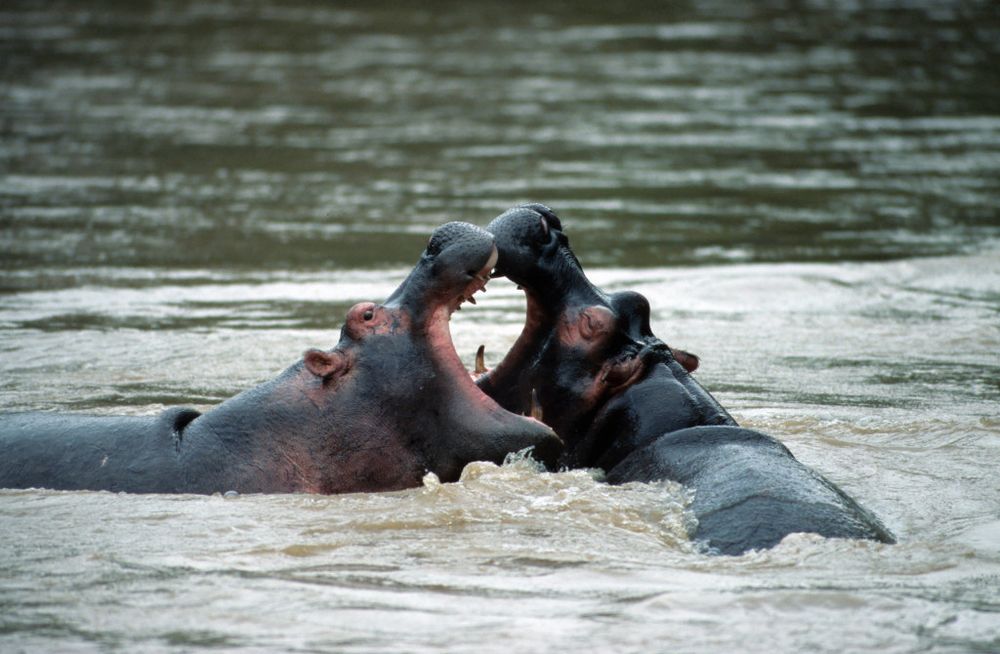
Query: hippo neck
{"x":248,"y":432}
{"x":436,"y":331}
{"x":410,"y":295}
{"x":567,"y":288}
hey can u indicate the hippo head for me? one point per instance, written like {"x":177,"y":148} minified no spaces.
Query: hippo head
{"x":393,"y":399}
{"x":580,"y":347}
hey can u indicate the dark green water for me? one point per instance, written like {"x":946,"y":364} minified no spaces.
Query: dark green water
{"x":191,"y":194}
{"x":322,"y":135}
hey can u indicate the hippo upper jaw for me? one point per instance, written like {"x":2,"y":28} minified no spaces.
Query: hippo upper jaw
{"x":535,"y":255}
{"x":477,"y":427}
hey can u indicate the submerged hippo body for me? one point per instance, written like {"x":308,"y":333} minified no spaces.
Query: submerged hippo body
{"x":750,"y":492}
{"x":388,"y":404}
{"x":624,"y":401}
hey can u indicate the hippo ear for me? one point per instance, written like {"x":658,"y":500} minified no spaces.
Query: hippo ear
{"x":686,"y":359}
{"x":323,"y":364}
{"x":595,"y":322}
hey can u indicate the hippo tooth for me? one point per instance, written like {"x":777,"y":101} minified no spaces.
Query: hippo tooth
{"x":481,"y":360}
{"x":536,"y":408}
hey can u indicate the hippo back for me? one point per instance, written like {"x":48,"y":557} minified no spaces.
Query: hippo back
{"x":87,"y":452}
{"x":749,"y":491}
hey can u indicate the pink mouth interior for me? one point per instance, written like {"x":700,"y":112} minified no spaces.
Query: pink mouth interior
{"x":439,"y":337}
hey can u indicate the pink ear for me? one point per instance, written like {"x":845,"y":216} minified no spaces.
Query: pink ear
{"x":686,"y":359}
{"x":323,"y":364}
{"x":595,"y":321}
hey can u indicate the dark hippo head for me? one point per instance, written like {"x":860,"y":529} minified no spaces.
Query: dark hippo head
{"x":393,"y":397}
{"x":625,"y":402}
{"x":581,"y":348}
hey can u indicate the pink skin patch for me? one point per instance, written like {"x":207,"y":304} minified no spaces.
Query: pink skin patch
{"x":439,"y":337}
{"x":689,"y":361}
{"x":368,"y":319}
{"x":593,"y":324}
{"x":589,"y":328}
{"x":363,"y":320}
{"x":326,"y":364}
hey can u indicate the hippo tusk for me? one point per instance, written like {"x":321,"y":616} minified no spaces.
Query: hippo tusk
{"x":536,"y":408}
{"x":480,"y":360}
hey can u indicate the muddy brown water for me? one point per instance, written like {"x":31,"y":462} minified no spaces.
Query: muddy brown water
{"x":191,"y":195}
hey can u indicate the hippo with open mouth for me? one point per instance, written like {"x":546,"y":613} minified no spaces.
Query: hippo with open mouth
{"x":390,"y":403}
{"x":624,"y":401}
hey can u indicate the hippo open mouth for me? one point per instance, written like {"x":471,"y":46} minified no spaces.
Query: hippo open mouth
{"x":463,"y":257}
{"x":425,"y":381}
{"x":625,"y":402}
{"x":580,"y":346}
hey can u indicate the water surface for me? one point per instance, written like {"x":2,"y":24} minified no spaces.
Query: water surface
{"x":192,"y":195}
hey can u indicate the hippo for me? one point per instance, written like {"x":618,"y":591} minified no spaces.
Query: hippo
{"x":623,"y":401}
{"x":390,"y":403}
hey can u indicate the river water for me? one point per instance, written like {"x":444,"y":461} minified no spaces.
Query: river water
{"x":193,"y":194}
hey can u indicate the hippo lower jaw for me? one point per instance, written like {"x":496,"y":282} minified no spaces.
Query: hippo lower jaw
{"x":468,"y":406}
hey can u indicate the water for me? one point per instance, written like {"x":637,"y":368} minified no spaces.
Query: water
{"x":192,"y":195}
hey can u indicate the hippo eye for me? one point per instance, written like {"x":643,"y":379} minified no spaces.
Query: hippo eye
{"x":368,"y":315}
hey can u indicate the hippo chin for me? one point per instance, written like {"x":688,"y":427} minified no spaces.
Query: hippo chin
{"x":624,"y":401}
{"x":390,"y":403}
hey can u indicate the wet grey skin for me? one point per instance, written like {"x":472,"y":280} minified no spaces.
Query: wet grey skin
{"x":624,"y":401}
{"x":390,"y":403}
